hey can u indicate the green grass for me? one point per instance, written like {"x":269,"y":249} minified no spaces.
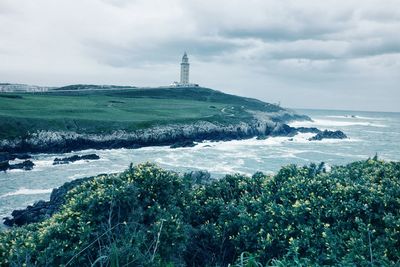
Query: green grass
{"x":98,"y":111}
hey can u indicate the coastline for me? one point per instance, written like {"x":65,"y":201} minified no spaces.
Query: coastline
{"x":64,"y":141}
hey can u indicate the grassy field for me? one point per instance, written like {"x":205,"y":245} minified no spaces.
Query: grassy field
{"x":102,"y":111}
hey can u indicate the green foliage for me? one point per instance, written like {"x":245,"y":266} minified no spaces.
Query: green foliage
{"x":146,"y":216}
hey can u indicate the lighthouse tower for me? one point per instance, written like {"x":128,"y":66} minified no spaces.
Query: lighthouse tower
{"x":184,"y":69}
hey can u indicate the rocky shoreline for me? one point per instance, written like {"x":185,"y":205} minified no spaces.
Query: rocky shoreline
{"x":6,"y":157}
{"x":62,"y":142}
{"x":43,"y":209}
{"x":164,"y":135}
{"x":173,"y":135}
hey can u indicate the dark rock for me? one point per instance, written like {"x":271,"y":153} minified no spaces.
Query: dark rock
{"x":22,"y":156}
{"x":31,"y":214}
{"x":262,"y":137}
{"x":308,"y":130}
{"x":4,"y":165}
{"x":183,"y":144}
{"x":43,"y":209}
{"x":27,"y":165}
{"x":5,"y":156}
{"x":75,"y":158}
{"x":283,"y":130}
{"x":328,"y":135}
{"x":286,"y":130}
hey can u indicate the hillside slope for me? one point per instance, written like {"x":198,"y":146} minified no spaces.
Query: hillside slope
{"x":115,"y":113}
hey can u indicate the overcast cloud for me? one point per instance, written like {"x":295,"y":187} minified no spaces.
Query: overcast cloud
{"x":342,"y":54}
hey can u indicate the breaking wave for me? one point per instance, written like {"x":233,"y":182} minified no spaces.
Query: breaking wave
{"x":26,"y":191}
{"x":333,"y":123}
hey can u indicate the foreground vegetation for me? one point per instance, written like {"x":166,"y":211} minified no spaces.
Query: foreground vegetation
{"x":129,"y":109}
{"x":147,"y":216}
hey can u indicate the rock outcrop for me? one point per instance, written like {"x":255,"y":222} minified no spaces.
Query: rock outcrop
{"x":5,"y":165}
{"x":75,"y":158}
{"x":187,"y":143}
{"x":5,"y":156}
{"x":326,"y":134}
{"x":43,"y":209}
{"x":27,"y":165}
{"x":175,"y":135}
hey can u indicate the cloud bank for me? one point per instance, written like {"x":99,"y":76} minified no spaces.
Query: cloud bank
{"x":312,"y":54}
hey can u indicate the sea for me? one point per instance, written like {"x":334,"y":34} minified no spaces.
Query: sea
{"x":369,"y":133}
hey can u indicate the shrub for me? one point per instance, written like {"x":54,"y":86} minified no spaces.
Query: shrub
{"x":147,"y":216}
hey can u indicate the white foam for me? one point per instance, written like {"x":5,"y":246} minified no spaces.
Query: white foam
{"x":344,"y":155}
{"x":26,"y":191}
{"x":332,"y":123}
{"x":334,"y":141}
{"x":235,"y":144}
{"x":75,"y":176}
{"x":16,"y":161}
{"x":302,"y":137}
{"x":43,"y":163}
{"x":356,"y":117}
{"x":16,"y":170}
{"x":341,"y":116}
{"x":153,"y":148}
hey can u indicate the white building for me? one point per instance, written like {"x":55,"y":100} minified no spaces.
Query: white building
{"x":14,"y":87}
{"x":185,"y":69}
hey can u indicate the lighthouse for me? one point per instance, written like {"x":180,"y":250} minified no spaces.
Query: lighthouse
{"x":184,"y":82}
{"x":185,"y":70}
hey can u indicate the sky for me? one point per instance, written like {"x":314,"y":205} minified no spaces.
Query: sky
{"x":331,"y":54}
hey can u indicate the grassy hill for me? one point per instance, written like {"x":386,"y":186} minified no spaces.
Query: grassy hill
{"x":102,"y":109}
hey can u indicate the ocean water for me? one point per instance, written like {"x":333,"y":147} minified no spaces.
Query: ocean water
{"x":368,"y":132}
